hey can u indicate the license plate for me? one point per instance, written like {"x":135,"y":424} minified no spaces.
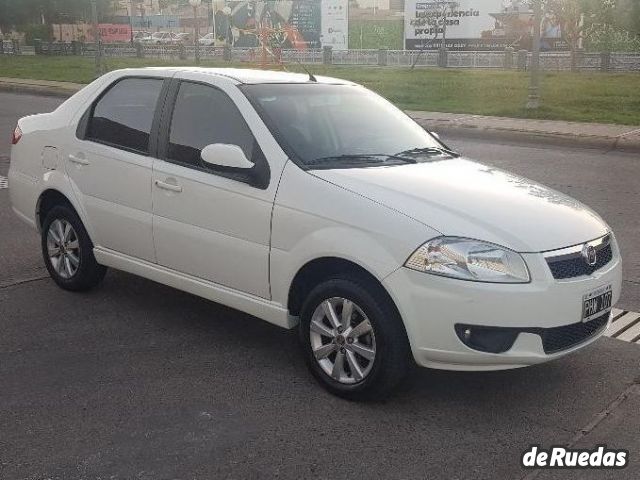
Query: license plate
{"x":596,"y":303}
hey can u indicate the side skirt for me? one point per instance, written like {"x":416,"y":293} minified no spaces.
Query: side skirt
{"x":267,"y":310}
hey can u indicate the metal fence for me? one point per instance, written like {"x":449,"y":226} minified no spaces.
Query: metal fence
{"x":549,"y":61}
{"x":9,"y":47}
{"x":407,"y":58}
{"x":625,"y":62}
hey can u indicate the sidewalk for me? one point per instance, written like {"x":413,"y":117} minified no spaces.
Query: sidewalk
{"x":589,"y":135}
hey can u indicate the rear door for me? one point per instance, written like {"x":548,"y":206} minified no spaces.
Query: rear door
{"x":209,"y":222}
{"x":110,"y":165}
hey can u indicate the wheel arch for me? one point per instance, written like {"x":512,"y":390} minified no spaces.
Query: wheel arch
{"x":315,"y":271}
{"x":48,"y":199}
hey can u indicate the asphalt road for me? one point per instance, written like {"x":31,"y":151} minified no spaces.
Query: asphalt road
{"x":137,"y":380}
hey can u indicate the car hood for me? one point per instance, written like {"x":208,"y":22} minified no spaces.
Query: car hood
{"x":459,"y":197}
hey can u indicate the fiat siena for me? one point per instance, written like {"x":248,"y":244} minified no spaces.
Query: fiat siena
{"x":313,"y":202}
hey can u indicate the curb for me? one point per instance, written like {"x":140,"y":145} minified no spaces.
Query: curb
{"x":628,"y":143}
{"x":619,"y":144}
{"x":36,"y":89}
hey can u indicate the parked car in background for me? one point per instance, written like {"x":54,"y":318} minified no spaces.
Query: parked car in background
{"x":314,"y":203}
{"x":207,"y":40}
{"x":161,"y":38}
{"x":140,"y":35}
{"x":184,"y":38}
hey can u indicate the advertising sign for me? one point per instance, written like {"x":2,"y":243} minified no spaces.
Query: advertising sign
{"x":280,"y":23}
{"x":83,"y":32}
{"x":335,"y":24}
{"x":113,"y":32}
{"x":468,"y":24}
{"x":299,"y":24}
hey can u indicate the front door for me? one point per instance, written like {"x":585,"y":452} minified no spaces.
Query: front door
{"x":208,"y":222}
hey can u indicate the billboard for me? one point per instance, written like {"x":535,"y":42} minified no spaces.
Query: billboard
{"x":335,"y":24}
{"x":299,"y":24}
{"x":469,"y":24}
{"x":279,"y":23}
{"x":83,"y":32}
{"x":113,"y":32}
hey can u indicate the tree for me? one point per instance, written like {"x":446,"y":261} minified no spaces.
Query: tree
{"x":609,"y":26}
{"x":20,"y":13}
{"x":569,"y":16}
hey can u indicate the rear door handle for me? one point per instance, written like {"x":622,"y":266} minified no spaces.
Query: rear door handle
{"x":78,"y":160}
{"x":168,"y":186}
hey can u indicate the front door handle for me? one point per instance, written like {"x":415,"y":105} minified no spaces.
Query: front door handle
{"x":78,"y":160}
{"x":168,"y":186}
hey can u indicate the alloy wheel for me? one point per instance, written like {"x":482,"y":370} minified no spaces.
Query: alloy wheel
{"x":63,"y":248}
{"x":342,"y":340}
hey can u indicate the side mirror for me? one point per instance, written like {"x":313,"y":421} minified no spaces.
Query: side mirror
{"x":435,"y":135}
{"x":224,"y":155}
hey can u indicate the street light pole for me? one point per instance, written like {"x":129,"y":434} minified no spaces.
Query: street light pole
{"x":196,"y":30}
{"x":533,"y":102}
{"x":96,"y":38}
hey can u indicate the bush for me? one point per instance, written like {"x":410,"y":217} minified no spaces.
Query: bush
{"x":607,"y":38}
{"x":32,"y":32}
{"x":366,"y":33}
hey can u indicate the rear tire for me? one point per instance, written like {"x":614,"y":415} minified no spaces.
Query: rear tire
{"x":68,"y":251}
{"x":375,"y":356}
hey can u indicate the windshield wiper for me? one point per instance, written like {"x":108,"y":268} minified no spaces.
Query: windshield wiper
{"x":428,"y":151}
{"x":366,"y":158}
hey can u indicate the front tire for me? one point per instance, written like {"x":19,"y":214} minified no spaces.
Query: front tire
{"x":68,"y":251}
{"x":353,"y":338}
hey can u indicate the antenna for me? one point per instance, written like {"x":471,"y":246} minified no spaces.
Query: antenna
{"x":312,"y":78}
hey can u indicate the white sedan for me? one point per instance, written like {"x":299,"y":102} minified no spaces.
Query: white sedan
{"x":160,"y":38}
{"x":207,"y":40}
{"x":313,"y":202}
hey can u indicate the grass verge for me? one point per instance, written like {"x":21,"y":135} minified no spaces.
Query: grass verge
{"x":582,"y":97}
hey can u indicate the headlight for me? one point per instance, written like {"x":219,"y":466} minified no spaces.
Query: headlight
{"x":469,"y":260}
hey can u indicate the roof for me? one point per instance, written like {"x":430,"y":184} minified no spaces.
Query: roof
{"x":247,"y":75}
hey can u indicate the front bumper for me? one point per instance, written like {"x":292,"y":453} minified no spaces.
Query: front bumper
{"x":431,"y":307}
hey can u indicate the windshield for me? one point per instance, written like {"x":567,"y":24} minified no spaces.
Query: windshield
{"x":334,"y":126}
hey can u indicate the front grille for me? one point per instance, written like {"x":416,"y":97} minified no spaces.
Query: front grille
{"x":575,"y":267}
{"x":560,"y":338}
{"x":570,"y":263}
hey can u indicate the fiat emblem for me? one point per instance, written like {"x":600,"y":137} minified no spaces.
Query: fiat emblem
{"x":589,"y":255}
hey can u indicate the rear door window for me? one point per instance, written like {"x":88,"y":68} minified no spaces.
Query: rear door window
{"x":124,"y":114}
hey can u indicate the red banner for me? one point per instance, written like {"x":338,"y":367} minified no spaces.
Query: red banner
{"x":113,"y":32}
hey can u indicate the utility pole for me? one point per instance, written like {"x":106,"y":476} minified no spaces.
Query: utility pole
{"x":96,"y":38}
{"x":131,"y":19}
{"x":533,"y":102}
{"x":443,"y":45}
{"x":196,"y":29}
{"x":213,"y":18}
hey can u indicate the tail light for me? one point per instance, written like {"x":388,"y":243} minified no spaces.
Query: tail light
{"x":17,"y":135}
